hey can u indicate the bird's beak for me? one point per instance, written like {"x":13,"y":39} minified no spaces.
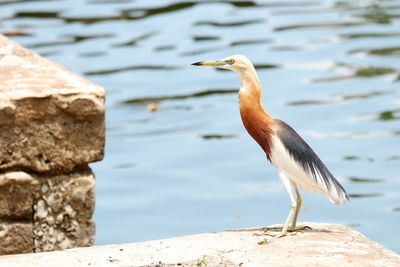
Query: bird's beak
{"x":209,"y":63}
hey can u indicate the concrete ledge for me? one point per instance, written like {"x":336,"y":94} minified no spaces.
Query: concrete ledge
{"x":322,"y":245}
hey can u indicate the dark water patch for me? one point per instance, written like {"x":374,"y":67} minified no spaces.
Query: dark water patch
{"x":93,"y":54}
{"x":365,"y":180}
{"x":318,"y":25}
{"x":80,"y":38}
{"x":337,"y":99}
{"x":49,"y":44}
{"x":164,"y":48}
{"x":369,"y":35}
{"x":229,"y":24}
{"x":393,"y":158}
{"x":37,"y":14}
{"x":51,"y":53}
{"x":201,"y":38}
{"x":389,"y":51}
{"x":374,"y":71}
{"x":241,"y":3}
{"x":70,"y":39}
{"x":217,"y":136}
{"x":286,"y":48}
{"x":147,"y":12}
{"x":17,"y":32}
{"x":351,"y":158}
{"x":250,"y":42}
{"x":92,"y":20}
{"x":266,"y":66}
{"x":366,"y":195}
{"x":378,"y":15}
{"x":389,"y":115}
{"x":134,"y":41}
{"x":130,"y":68}
{"x":132,"y":14}
{"x":147,"y":100}
{"x":125,"y":166}
{"x":7,"y":2}
{"x":360,"y":72}
{"x":396,"y":209}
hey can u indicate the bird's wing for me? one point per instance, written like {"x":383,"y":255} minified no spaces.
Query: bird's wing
{"x":293,"y":155}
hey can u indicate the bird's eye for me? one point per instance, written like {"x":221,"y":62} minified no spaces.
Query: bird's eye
{"x":230,"y":61}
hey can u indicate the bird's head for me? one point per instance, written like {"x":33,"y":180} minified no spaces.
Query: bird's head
{"x":236,"y":63}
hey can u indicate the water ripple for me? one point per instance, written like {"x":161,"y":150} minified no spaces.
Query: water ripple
{"x":146,"y":100}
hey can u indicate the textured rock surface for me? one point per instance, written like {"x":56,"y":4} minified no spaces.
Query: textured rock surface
{"x":16,"y":196}
{"x":51,"y":127}
{"x":56,"y":211}
{"x":63,"y":210}
{"x":51,"y":120}
{"x":323,"y":245}
{"x":15,"y":237}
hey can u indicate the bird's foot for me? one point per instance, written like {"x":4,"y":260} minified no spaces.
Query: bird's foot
{"x":299,"y":228}
{"x":274,"y":236}
{"x":279,"y":229}
{"x":271,"y":231}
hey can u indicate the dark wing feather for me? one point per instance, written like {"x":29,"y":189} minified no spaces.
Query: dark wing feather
{"x":306,"y":157}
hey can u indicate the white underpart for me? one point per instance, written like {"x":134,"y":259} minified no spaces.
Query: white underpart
{"x":281,"y":158}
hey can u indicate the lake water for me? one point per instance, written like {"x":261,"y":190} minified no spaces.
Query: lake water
{"x":331,"y":69}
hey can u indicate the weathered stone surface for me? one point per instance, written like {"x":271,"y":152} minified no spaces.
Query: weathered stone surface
{"x":323,"y":245}
{"x":58,"y":209}
{"x":16,"y":196}
{"x":51,"y":120}
{"x":15,"y":237}
{"x":63,"y":210}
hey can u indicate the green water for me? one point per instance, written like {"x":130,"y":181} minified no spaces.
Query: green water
{"x":329,"y":68}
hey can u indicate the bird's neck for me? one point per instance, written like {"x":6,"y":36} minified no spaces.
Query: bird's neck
{"x":258,"y":123}
{"x":250,"y":94}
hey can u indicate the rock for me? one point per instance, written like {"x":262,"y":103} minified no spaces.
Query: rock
{"x":66,"y":206}
{"x":16,"y":197}
{"x":51,"y":119}
{"x":15,"y":238}
{"x":322,"y":245}
{"x":63,"y":220}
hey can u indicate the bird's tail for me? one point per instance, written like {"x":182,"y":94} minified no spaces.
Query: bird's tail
{"x":336,"y":193}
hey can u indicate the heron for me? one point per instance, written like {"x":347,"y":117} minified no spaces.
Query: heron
{"x":297,"y":164}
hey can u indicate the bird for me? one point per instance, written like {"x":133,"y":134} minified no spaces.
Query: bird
{"x":296,"y":162}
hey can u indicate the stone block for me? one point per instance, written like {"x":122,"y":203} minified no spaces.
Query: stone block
{"x":51,"y":120}
{"x":15,"y":237}
{"x":58,"y":209}
{"x":63,"y":210}
{"x":16,"y":196}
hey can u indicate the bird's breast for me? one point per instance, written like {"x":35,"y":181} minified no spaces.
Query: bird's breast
{"x":260,"y":127}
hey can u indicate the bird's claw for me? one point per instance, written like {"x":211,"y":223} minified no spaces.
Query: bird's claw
{"x":273,"y":235}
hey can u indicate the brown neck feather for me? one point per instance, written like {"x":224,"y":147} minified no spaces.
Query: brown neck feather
{"x":258,"y":123}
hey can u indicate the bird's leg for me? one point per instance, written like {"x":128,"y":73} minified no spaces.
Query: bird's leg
{"x":293,"y":204}
{"x":298,"y":207}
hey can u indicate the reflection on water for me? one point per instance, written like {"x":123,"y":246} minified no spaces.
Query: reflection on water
{"x":329,"y":68}
{"x":175,"y":97}
{"x":365,"y":180}
{"x":366,"y":195}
